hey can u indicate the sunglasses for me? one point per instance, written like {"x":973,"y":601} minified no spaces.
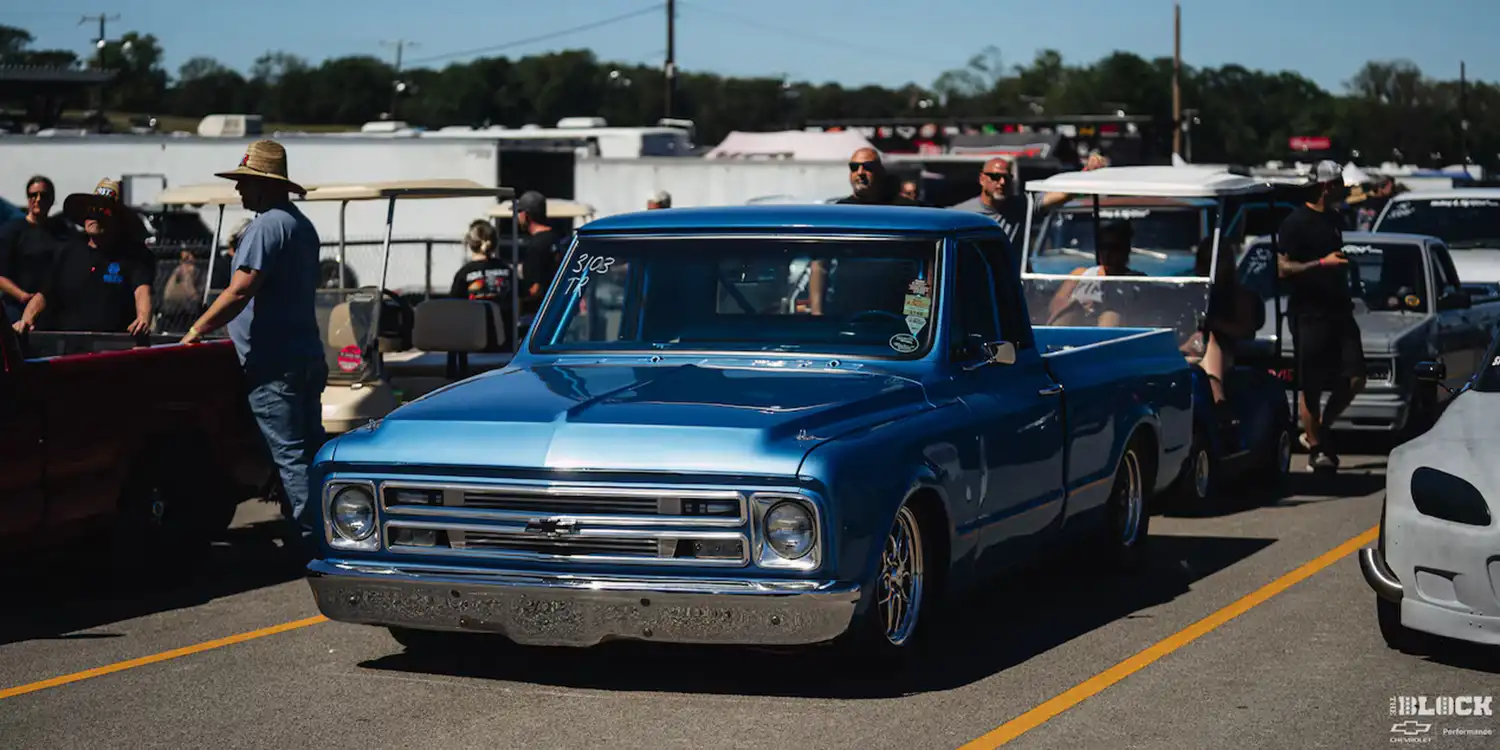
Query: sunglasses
{"x":996,"y":176}
{"x":38,"y":195}
{"x":868,"y":166}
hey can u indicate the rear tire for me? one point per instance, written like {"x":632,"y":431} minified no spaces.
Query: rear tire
{"x":1126,"y":534}
{"x":1198,"y":484}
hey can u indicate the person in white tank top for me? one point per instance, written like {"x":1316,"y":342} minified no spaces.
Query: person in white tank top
{"x":1083,"y":302}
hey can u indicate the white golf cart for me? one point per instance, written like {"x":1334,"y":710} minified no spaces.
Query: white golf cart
{"x":1162,"y":279}
{"x":360,"y":385}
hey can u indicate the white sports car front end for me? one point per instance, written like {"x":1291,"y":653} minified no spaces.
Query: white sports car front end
{"x":1436,"y":568}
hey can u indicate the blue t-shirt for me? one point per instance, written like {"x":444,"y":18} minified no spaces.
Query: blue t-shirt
{"x":279,"y":328}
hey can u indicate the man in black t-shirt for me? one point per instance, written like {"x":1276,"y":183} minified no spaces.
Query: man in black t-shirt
{"x":540,"y":254}
{"x":101,"y":281}
{"x":28,"y":246}
{"x":1325,"y":337}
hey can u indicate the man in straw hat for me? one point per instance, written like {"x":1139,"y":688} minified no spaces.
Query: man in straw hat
{"x":269,"y":309}
{"x":99,"y":281}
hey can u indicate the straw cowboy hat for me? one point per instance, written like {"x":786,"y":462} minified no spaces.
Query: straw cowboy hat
{"x":265,"y":160}
{"x":104,"y":200}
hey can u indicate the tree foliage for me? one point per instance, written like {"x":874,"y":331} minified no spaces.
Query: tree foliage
{"x":1389,"y":109}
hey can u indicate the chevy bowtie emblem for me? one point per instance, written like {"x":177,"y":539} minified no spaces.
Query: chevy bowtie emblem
{"x":551,"y":526}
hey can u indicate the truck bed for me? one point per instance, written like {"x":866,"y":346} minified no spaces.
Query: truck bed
{"x":1118,"y":376}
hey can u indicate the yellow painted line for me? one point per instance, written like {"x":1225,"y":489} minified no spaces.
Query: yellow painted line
{"x":1093,"y":685}
{"x":154,"y":658}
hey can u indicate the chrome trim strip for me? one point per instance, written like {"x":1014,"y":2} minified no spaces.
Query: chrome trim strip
{"x":581,"y":534}
{"x":570,"y":491}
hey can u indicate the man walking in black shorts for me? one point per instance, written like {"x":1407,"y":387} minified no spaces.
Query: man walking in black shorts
{"x":1329,"y":356}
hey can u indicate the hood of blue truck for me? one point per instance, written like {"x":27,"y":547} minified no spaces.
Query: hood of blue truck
{"x":685,"y":418}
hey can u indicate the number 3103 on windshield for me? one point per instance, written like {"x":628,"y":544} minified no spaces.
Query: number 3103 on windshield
{"x":587,"y":264}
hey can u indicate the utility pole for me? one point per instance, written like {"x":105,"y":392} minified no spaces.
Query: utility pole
{"x":1176,"y":76}
{"x":100,"y":40}
{"x":397,"y":85}
{"x":1463,"y":116}
{"x":671,"y":66}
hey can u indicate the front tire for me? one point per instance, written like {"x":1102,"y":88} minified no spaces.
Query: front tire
{"x":893,"y":623}
{"x":1396,"y":635}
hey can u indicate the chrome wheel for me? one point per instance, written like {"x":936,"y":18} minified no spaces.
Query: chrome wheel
{"x":900,"y":584}
{"x":1202,"y":473}
{"x":1130,"y":499}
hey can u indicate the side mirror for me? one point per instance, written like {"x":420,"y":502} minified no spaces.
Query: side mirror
{"x":1000,"y":352}
{"x":1431,"y":372}
{"x":1458,"y":299}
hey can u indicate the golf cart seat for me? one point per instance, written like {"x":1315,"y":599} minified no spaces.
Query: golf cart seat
{"x":452,"y":339}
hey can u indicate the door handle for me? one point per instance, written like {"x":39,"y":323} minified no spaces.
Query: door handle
{"x":1051,"y":390}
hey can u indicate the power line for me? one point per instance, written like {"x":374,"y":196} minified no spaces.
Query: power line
{"x":653,"y":8}
{"x":829,"y":41}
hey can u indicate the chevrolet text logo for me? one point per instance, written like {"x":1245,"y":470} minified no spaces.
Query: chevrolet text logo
{"x":1410,"y":727}
{"x":551,"y":526}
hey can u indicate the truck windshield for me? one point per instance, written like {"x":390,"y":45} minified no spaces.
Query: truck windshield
{"x":1463,"y":223}
{"x":1164,"y":238}
{"x":856,"y":297}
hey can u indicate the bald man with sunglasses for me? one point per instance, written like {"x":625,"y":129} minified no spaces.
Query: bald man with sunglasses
{"x":871,"y":184}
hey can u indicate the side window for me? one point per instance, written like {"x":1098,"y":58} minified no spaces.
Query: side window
{"x":975,"y":321}
{"x":1442,"y":271}
{"x":1014,"y":326}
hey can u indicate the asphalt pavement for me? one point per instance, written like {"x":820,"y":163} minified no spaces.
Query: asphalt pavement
{"x":1230,"y":638}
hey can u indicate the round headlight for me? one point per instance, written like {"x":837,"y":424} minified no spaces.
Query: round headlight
{"x":353,"y":513}
{"x":790,"y":530}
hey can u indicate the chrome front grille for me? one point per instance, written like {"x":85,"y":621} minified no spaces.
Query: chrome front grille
{"x":613,"y":506}
{"x":573,"y":523}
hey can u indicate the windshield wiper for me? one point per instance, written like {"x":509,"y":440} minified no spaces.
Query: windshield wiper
{"x":1471,"y":244}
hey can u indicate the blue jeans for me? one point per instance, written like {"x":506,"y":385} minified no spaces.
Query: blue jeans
{"x":288,"y":405}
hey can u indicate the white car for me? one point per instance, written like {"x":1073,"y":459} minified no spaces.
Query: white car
{"x":1466,"y":219}
{"x":1436,"y":567}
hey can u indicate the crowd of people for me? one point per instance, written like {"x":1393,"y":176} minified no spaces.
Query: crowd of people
{"x":88,"y":269}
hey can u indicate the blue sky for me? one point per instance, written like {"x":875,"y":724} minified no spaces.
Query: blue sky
{"x":889,"y":42}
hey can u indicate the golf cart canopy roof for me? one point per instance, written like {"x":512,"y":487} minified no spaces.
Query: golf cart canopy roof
{"x":1162,"y":182}
{"x":210,"y":194}
{"x":405,"y":189}
{"x":557,"y":208}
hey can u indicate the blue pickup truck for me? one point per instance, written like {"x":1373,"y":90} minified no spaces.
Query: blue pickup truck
{"x":774,"y":425}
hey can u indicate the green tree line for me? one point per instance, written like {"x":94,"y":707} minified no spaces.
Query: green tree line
{"x":1388,"y":110}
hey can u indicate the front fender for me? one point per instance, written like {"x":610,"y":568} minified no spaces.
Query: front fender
{"x":866,"y":476}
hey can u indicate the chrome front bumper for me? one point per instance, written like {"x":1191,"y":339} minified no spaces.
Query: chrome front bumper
{"x":540,"y":609}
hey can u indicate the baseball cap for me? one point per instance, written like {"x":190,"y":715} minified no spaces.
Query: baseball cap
{"x":534,"y":204}
{"x":1327,"y":171}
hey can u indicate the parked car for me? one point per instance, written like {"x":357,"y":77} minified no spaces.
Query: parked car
{"x":1433,"y":569}
{"x":1411,"y":306}
{"x":154,"y":446}
{"x":1467,"y":220}
{"x":745,"y":459}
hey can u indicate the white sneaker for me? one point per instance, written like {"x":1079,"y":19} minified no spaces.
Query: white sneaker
{"x":1321,"y":460}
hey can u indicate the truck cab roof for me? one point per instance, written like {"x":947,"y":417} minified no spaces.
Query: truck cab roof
{"x":852,"y":219}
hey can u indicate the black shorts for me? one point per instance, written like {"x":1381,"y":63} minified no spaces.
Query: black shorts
{"x":1328,"y":349}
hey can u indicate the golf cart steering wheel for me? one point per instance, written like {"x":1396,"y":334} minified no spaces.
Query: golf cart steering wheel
{"x":396,"y":331}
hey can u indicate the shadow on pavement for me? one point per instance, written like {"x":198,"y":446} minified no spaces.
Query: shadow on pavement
{"x":73,"y":594}
{"x":1359,"y":475}
{"x":1461,"y":655}
{"x":1027,"y":613}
